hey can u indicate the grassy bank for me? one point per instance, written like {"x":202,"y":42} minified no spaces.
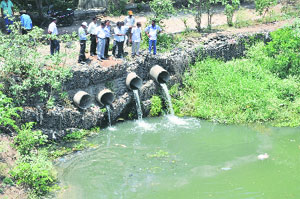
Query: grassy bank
{"x":262,"y":87}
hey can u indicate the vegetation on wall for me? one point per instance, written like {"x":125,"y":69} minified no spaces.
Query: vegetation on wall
{"x":27,"y":74}
{"x":258,"y":88}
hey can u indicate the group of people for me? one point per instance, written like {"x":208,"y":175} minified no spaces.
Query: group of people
{"x":7,"y":12}
{"x":124,"y":32}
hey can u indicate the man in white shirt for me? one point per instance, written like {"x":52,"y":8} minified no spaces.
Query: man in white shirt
{"x":152,"y":32}
{"x":136,"y":38}
{"x":129,"y":23}
{"x":107,"y":30}
{"x":54,"y":43}
{"x":101,"y":42}
{"x":82,"y":39}
{"x":119,"y":38}
{"x":92,"y":30}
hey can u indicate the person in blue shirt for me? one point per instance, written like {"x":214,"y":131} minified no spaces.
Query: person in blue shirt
{"x":152,"y":32}
{"x":26,"y":22}
{"x":82,"y":33}
{"x":7,"y":11}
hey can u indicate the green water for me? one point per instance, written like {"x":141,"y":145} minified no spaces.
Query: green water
{"x":186,"y":159}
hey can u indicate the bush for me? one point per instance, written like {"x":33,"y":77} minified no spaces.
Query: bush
{"x":36,"y":172}
{"x":240,"y":91}
{"x":7,"y":111}
{"x":156,"y":106}
{"x":162,"y":9}
{"x":263,"y":6}
{"x":26,"y":74}
{"x":26,"y":140}
{"x":282,"y":54}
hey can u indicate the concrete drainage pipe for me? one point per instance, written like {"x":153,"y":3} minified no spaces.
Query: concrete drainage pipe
{"x":159,"y":74}
{"x":133,"y":81}
{"x":83,"y":100}
{"x":105,"y":97}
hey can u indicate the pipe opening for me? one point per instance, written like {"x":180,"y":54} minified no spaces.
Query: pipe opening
{"x":136,"y":83}
{"x":159,"y":74}
{"x":83,"y":100}
{"x":133,"y":81}
{"x":105,"y":97}
{"x":163,"y":77}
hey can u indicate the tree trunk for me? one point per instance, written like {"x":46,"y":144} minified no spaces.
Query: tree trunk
{"x":39,"y":5}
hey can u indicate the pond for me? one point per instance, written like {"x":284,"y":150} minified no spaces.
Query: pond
{"x":169,"y":157}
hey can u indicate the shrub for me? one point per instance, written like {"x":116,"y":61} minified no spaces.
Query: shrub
{"x":26,"y":140}
{"x":36,"y":172}
{"x":25,"y":72}
{"x":156,"y":106}
{"x":282,"y":53}
{"x":263,"y":6}
{"x":7,"y":111}
{"x":230,"y":7}
{"x":162,"y":9}
{"x":240,"y":91}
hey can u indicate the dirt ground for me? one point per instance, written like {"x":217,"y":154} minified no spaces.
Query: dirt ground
{"x":174,"y":24}
{"x":8,"y":156}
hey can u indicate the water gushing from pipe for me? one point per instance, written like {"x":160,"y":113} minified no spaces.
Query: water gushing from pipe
{"x":167,"y":94}
{"x":108,"y":114}
{"x":138,"y":104}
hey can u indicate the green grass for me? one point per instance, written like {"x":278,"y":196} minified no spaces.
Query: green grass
{"x":239,"y":92}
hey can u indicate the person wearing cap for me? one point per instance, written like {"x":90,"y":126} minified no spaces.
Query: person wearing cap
{"x":82,"y":33}
{"x":54,"y":43}
{"x":152,"y":31}
{"x":107,"y":31}
{"x":101,"y":42}
{"x":92,"y":30}
{"x":26,"y":22}
{"x":7,"y":11}
{"x":129,"y":23}
{"x":136,"y":38}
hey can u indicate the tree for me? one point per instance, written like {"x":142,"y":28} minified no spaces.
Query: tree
{"x":162,"y":9}
{"x":230,"y":7}
{"x":263,"y":6}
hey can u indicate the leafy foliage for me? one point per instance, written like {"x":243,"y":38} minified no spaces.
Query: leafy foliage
{"x":117,"y":7}
{"x":263,"y":6}
{"x":26,"y":140}
{"x":156,"y":106}
{"x":263,"y":87}
{"x":25,"y":72}
{"x":240,"y":91}
{"x":162,"y":9}
{"x":36,"y":172}
{"x":7,"y":111}
{"x":283,"y":52}
{"x":230,"y":7}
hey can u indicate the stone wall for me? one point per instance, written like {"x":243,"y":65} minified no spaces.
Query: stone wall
{"x":92,"y":79}
{"x":91,"y":4}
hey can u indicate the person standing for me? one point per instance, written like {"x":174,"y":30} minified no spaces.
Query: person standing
{"x":136,"y":38}
{"x":129,"y":23}
{"x":101,"y":42}
{"x":119,"y":38}
{"x":54,"y":43}
{"x":152,"y":31}
{"x":82,"y":32}
{"x":107,"y":30}
{"x":92,"y":30}
{"x":7,"y":12}
{"x":26,"y":22}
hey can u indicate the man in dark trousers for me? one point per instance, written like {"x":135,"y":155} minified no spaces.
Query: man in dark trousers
{"x":107,"y":31}
{"x":82,"y":33}
{"x":92,"y":30}
{"x":54,"y":43}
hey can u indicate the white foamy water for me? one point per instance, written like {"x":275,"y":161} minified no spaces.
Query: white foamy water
{"x":138,"y":104}
{"x":166,"y":91}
